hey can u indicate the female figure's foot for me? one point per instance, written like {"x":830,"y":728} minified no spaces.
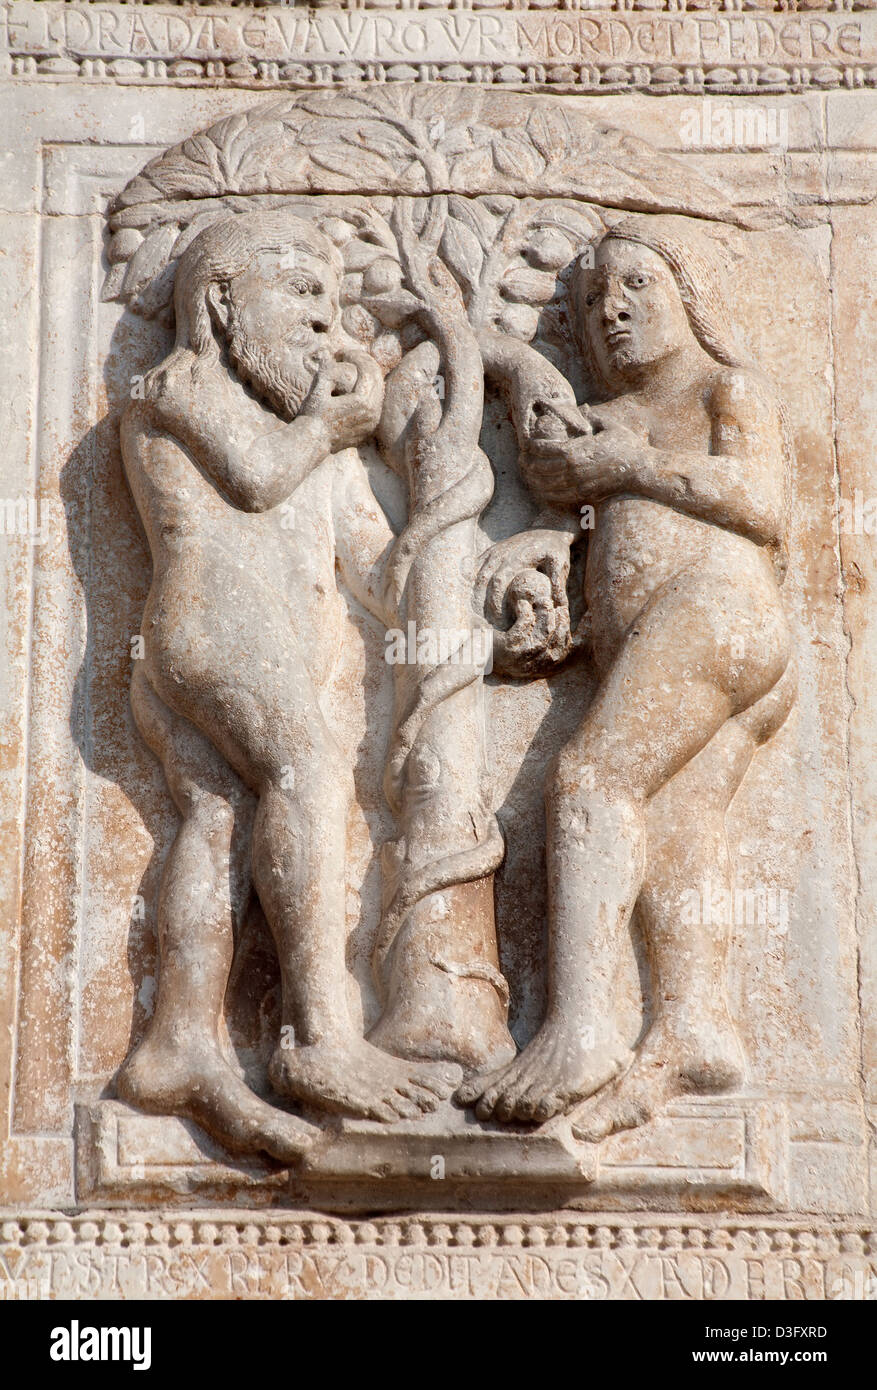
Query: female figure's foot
{"x":351,"y":1077}
{"x":560,"y":1067}
{"x":676,"y":1059}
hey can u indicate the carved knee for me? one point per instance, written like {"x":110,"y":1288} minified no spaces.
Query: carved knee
{"x":213,"y":815}
{"x":573,"y":776}
{"x":318,"y":778}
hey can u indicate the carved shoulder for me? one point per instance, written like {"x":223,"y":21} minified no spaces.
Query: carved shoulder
{"x":744,"y":397}
{"x":139,"y":420}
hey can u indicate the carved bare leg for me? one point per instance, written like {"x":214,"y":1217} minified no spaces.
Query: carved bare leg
{"x":299,"y":842}
{"x":263,"y":712}
{"x":693,"y":1031}
{"x":180,"y":1067}
{"x":692,"y":1045}
{"x":596,"y":800}
{"x":595,"y":852}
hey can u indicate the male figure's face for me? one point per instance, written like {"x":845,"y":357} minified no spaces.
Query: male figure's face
{"x":282,"y":312}
{"x":633,"y":315}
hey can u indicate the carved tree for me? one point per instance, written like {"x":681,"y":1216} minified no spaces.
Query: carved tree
{"x":500,"y":192}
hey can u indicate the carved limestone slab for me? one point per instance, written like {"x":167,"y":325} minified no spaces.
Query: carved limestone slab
{"x":297,"y":1256}
{"x":436,"y":546}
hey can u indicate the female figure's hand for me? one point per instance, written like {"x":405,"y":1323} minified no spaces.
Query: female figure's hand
{"x":539,"y":638}
{"x":587,"y":468}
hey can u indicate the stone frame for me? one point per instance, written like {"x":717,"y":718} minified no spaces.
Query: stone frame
{"x":827,"y":175}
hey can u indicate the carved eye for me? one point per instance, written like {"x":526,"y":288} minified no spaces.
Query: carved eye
{"x":297,"y":285}
{"x":637,"y":281}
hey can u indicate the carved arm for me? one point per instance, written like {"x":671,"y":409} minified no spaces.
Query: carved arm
{"x":739,"y":485}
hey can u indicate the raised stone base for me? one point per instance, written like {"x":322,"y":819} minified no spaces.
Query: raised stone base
{"x":735,"y":1151}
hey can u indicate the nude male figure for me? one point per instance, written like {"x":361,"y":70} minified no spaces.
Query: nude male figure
{"x":685,"y":465}
{"x":253,"y":410}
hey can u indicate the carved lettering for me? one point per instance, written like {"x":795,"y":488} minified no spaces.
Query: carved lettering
{"x":286,"y":33}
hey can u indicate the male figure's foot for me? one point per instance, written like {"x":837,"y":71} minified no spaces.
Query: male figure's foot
{"x":193,"y":1080}
{"x":560,"y":1067}
{"x":351,"y":1077}
{"x":676,"y":1059}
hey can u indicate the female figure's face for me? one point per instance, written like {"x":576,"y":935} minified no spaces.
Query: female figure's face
{"x":632,"y":313}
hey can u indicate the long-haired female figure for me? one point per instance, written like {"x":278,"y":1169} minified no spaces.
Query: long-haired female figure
{"x":686,"y":466}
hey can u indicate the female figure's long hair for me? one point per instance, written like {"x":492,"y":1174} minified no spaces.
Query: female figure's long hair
{"x":700,"y":279}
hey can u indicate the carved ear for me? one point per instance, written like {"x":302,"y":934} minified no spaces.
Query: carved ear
{"x":217,"y":301}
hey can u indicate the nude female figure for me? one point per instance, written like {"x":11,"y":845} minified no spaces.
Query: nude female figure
{"x":686,"y":467}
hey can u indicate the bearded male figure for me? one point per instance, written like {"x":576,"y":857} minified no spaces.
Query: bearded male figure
{"x":255,"y":405}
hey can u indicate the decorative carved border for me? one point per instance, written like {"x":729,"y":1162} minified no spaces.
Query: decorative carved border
{"x":745,"y":81}
{"x":296,"y":1255}
{"x":565,"y":1230}
{"x":580,"y":48}
{"x":779,"y":6}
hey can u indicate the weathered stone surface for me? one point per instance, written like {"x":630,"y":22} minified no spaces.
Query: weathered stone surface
{"x":294,"y":1255}
{"x":596,"y":46}
{"x":470,"y":486}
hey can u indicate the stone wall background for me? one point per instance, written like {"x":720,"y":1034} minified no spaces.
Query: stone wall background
{"x":89,"y":93}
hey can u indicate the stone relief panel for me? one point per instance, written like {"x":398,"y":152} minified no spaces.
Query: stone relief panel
{"x":460,"y":489}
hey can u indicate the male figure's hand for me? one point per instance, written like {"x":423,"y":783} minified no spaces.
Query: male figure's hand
{"x":349,"y":412}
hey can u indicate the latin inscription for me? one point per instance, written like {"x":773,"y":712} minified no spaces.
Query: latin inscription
{"x":400,"y":1272}
{"x":287,"y":34}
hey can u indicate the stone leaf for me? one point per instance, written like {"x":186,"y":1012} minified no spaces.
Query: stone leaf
{"x":392,"y":142}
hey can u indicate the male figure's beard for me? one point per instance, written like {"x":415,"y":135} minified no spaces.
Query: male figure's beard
{"x":283,"y":389}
